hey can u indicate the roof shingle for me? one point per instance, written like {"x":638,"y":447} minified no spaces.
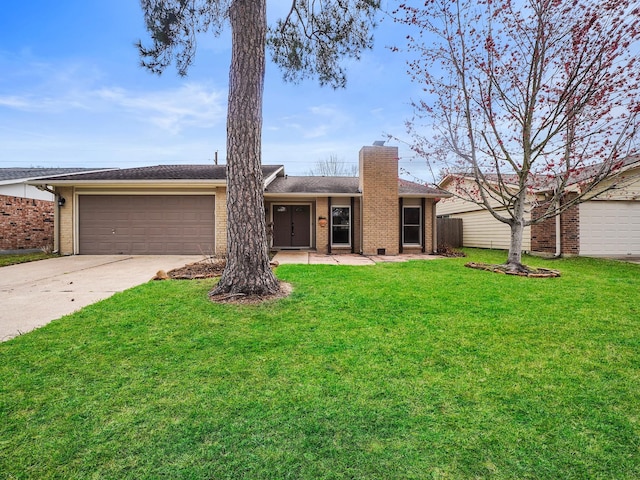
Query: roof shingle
{"x":161,"y":172}
{"x":19,"y":173}
{"x":325,"y":185}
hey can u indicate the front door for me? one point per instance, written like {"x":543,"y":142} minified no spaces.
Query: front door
{"x":292,"y":226}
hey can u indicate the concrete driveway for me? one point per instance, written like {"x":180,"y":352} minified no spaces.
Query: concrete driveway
{"x":32,"y":294}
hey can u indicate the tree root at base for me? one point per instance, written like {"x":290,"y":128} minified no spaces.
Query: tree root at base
{"x":518,"y":270}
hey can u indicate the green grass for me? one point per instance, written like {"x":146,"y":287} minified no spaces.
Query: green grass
{"x":13,"y":259}
{"x":397,"y":371}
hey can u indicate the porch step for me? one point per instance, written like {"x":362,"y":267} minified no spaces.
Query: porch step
{"x":289,"y":256}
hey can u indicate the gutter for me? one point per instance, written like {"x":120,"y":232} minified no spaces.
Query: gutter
{"x":558,"y":253}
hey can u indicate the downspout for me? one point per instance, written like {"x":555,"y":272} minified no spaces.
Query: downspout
{"x":353,"y":229}
{"x":558,"y":234}
{"x":330,"y":225}
{"x":434,"y":229}
{"x":423,"y":202}
{"x":401,"y":202}
{"x":558,"y":223}
{"x":361,"y":225}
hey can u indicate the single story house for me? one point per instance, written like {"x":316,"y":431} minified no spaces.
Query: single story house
{"x":27,"y":212}
{"x":606,"y":225}
{"x":181,"y":209}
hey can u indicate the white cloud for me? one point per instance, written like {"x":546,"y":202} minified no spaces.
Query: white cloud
{"x":319,"y":121}
{"x":191,"y":105}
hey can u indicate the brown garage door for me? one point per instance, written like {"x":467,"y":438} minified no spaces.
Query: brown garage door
{"x":146,"y":224}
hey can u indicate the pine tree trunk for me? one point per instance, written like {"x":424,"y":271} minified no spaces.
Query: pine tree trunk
{"x":247,"y":270}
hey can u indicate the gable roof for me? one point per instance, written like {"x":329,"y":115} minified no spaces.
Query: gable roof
{"x":18,"y":174}
{"x":345,"y":186}
{"x":543,"y":182}
{"x":277,"y":183}
{"x":314,"y":185}
{"x":407,"y":188}
{"x":154,"y":173}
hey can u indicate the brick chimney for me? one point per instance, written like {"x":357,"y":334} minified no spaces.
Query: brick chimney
{"x":380,"y":204}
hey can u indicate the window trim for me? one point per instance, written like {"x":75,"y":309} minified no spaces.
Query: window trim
{"x":349,"y":225}
{"x":419,"y":225}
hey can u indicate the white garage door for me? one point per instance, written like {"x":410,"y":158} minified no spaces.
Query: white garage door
{"x":610,"y":228}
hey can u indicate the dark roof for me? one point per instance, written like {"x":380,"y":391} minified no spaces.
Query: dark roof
{"x":288,"y":184}
{"x":406,"y":187}
{"x":31,"y":173}
{"x":545,"y":182}
{"x":161,"y":172}
{"x":342,"y":185}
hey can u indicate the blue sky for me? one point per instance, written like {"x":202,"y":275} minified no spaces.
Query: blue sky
{"x":72,"y":93}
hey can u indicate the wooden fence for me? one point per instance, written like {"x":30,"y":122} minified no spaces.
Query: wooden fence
{"x":449,"y":232}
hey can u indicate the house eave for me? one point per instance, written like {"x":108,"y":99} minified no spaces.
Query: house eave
{"x":34,"y":180}
{"x":133,"y":183}
{"x":425,"y":195}
{"x":310,"y":194}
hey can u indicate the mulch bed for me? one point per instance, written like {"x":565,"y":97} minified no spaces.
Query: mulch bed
{"x":525,"y":272}
{"x":242,"y":299}
{"x":209,"y":268}
{"x":212,"y":268}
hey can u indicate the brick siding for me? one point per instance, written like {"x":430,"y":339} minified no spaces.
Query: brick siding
{"x":65,"y":221}
{"x":322,"y":232}
{"x":379,"y":186}
{"x":543,"y":235}
{"x":570,"y":231}
{"x":221,"y":221}
{"x":25,"y":223}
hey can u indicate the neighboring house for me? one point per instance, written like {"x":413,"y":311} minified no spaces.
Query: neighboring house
{"x":607,"y":225}
{"x":181,"y":209}
{"x":27,"y":212}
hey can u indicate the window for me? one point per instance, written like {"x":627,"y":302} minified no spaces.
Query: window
{"x":341,"y":226}
{"x":411,"y":225}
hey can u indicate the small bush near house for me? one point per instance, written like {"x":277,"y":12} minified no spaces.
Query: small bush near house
{"x":448,"y":251}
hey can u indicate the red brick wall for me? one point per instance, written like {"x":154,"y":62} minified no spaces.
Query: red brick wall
{"x":570,"y":230}
{"x":543,"y":235}
{"x":25,"y":223}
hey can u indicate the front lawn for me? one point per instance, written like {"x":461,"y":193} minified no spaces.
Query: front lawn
{"x":415,"y":370}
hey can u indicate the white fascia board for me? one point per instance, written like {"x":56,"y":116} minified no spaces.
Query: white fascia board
{"x":273,"y":176}
{"x":310,"y":195}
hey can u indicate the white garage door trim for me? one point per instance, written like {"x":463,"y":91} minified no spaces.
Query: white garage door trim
{"x":610,"y":228}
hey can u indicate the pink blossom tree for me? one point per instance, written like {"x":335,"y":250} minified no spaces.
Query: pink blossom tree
{"x":525,"y":95}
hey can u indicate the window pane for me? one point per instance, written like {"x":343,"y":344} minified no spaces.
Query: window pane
{"x":411,"y":216}
{"x":411,"y":235}
{"x":340,"y":225}
{"x":340,"y":235}
{"x":340,"y":215}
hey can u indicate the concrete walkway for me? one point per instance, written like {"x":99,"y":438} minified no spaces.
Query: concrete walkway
{"x":312,"y":258}
{"x":32,"y":294}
